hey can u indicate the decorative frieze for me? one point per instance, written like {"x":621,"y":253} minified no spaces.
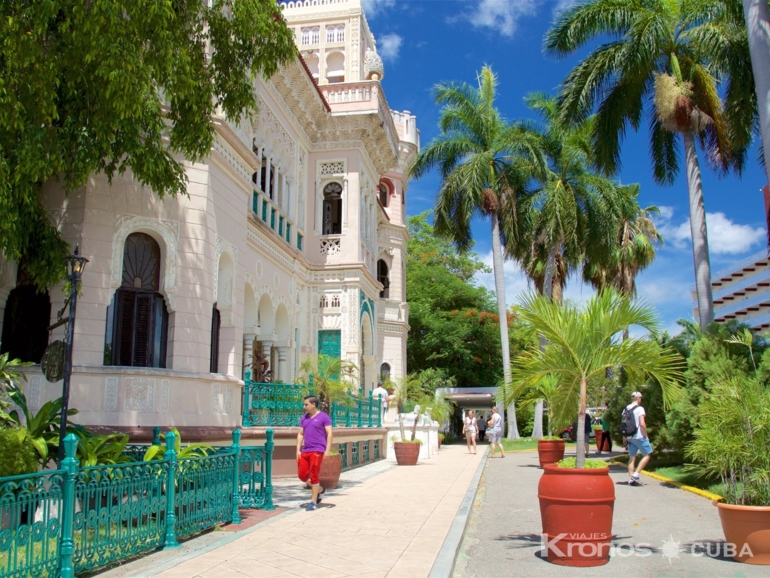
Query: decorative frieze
{"x":111,"y":393}
{"x":139,"y":394}
{"x":330,"y":247}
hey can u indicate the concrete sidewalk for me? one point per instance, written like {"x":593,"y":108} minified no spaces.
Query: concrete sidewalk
{"x":383,"y":520}
{"x":658,"y":530}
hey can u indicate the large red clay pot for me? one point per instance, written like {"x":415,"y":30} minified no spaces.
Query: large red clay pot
{"x":576,"y":508}
{"x":329,"y":476}
{"x":406,"y":453}
{"x":747,"y":529}
{"x":550,"y":451}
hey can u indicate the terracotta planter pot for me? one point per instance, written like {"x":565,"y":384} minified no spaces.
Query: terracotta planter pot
{"x":406,"y":453}
{"x":576,"y":507}
{"x":331,"y":466}
{"x":747,"y":529}
{"x":550,"y":451}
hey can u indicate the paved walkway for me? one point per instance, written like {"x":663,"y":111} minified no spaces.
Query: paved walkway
{"x":658,"y":530}
{"x":383,"y":521}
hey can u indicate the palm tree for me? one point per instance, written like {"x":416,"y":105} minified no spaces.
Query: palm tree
{"x":581,"y":344}
{"x":475,"y":154}
{"x":331,"y":379}
{"x":572,"y":207}
{"x":678,"y":52}
{"x":633,"y":250}
{"x":757,"y":16}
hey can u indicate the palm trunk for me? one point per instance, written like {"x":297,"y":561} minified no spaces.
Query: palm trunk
{"x":550,"y":268}
{"x":581,"y":433}
{"x":757,"y":15}
{"x":502,"y":311}
{"x":700,"y":245}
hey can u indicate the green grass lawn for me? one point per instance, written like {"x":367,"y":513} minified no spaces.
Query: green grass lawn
{"x":675,"y":470}
{"x":527,"y":444}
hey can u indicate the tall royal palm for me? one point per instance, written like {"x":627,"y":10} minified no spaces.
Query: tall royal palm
{"x":572,"y":206}
{"x":474,"y":154}
{"x":677,"y":54}
{"x":636,"y":237}
{"x":757,"y":16}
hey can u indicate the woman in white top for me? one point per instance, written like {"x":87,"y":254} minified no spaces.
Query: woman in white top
{"x":470,"y":428}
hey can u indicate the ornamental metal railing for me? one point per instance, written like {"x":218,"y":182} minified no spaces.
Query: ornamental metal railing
{"x":64,"y":522}
{"x":281,"y":405}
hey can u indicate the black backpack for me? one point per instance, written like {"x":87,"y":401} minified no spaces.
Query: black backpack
{"x":628,"y":423}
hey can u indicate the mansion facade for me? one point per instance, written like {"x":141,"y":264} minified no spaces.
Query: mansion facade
{"x":291,"y":242}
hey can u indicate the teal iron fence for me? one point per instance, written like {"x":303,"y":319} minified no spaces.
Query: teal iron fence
{"x":281,"y":404}
{"x":78,"y":519}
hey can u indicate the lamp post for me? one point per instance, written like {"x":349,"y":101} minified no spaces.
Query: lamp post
{"x":75,"y":266}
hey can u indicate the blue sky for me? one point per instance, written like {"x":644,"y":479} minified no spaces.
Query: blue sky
{"x":425,"y":42}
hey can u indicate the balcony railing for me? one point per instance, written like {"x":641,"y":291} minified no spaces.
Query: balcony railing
{"x":281,"y":405}
{"x":269,"y":213}
{"x":361,"y":97}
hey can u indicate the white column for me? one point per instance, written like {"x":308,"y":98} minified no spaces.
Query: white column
{"x":248,"y":349}
{"x":282,"y":365}
{"x":370,"y":372}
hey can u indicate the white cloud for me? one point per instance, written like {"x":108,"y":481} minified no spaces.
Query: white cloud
{"x":388,"y":46}
{"x":372,"y":7}
{"x":500,"y":15}
{"x":725,"y":236}
{"x":563,"y":5}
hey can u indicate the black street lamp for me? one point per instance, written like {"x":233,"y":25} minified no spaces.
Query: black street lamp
{"x":75,"y":266}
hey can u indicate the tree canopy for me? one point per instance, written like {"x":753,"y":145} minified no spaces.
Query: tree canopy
{"x":110,"y":86}
{"x":453,"y":325}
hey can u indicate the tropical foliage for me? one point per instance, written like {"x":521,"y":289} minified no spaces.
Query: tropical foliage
{"x":454,"y":323}
{"x":10,"y":380}
{"x":156,"y":451}
{"x":581,"y":344}
{"x":475,"y":155}
{"x":19,"y":455}
{"x":679,"y":56}
{"x":114,"y":86}
{"x":334,"y":380}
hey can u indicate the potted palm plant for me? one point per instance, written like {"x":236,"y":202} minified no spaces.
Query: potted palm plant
{"x":732,"y":443}
{"x":407,"y":395}
{"x":550,"y":449}
{"x":577,"y":497}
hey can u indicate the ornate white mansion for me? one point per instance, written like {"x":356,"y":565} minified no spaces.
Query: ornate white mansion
{"x":291,"y":242}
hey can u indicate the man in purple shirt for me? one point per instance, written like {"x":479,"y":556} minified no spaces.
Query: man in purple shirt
{"x":314,"y":441}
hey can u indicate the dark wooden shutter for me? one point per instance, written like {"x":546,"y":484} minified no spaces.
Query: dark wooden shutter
{"x":143,"y":331}
{"x":215,"y":325}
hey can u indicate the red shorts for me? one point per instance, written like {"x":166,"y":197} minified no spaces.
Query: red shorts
{"x":309,"y":466}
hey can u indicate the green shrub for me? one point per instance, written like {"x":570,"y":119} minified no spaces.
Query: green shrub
{"x":19,"y":455}
{"x":590,"y":464}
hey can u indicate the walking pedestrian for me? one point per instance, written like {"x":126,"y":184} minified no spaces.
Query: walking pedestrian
{"x":495,"y":431}
{"x":482,"y":423}
{"x":314,"y":441}
{"x":470,"y":429}
{"x":587,"y":429}
{"x":638,"y":441}
{"x":606,"y":439}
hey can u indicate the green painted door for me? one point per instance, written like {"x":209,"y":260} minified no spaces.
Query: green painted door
{"x":330,"y":343}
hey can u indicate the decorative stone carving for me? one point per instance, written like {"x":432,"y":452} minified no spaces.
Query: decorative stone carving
{"x":228,"y":402}
{"x":165,"y":393}
{"x":276,"y":280}
{"x":330,"y":247}
{"x":111,"y":393}
{"x":168,"y":231}
{"x":334,"y":168}
{"x":373,"y":68}
{"x":34,"y":393}
{"x":215,"y":390}
{"x":259,"y":269}
{"x":139,"y":394}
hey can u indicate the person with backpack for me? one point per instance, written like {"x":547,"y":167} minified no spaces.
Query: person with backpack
{"x":633,"y":427}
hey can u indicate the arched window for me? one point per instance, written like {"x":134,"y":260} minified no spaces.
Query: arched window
{"x":335,"y":300}
{"x":25,"y":322}
{"x":332,"y":209}
{"x":324,"y":301}
{"x":384,"y":195}
{"x":385,"y":372}
{"x":382,"y":277}
{"x":138,"y":330}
